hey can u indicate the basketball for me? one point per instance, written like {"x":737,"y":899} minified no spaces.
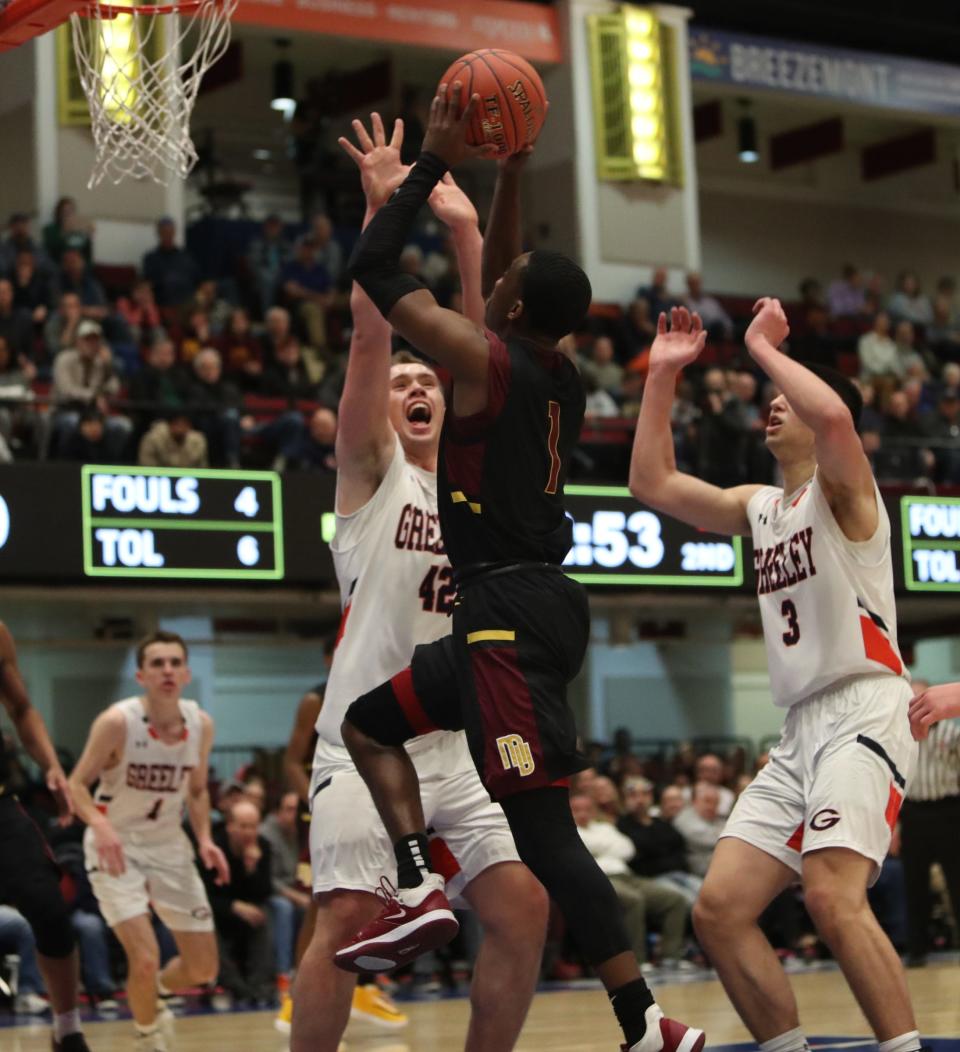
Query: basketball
{"x":513,"y":103}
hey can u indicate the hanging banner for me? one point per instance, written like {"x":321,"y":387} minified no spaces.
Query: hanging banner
{"x":862,"y":77}
{"x":532,"y":30}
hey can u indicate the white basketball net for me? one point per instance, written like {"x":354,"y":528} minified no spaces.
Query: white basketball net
{"x":141,"y":72}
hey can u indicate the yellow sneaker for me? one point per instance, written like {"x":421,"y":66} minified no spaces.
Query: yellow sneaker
{"x":372,"y":1005}
{"x":285,"y":1015}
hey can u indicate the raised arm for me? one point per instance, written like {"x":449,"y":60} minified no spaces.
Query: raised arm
{"x":443,"y":335}
{"x":29,"y":725}
{"x":654,"y":478}
{"x":842,"y":465}
{"x":452,"y":206}
{"x":365,"y":437}
{"x":504,"y":239}
{"x":198,"y":807}
{"x":103,"y":750}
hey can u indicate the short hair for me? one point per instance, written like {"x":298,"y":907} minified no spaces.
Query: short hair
{"x":556,"y":293}
{"x":160,"y":636}
{"x":405,"y":357}
{"x":843,"y":386}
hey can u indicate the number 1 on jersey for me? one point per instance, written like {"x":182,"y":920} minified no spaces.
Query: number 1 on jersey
{"x":553,"y":438}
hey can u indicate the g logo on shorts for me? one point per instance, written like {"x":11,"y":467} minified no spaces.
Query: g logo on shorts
{"x":825,"y":819}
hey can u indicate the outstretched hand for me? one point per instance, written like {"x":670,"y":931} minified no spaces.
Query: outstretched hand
{"x":769,"y":323}
{"x":381,"y":170}
{"x":931,"y":706}
{"x":681,"y":343}
{"x":451,"y":205}
{"x":446,"y":135}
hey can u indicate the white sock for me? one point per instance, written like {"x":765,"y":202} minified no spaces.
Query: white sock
{"x":904,"y":1043}
{"x":792,"y":1041}
{"x":66,"y":1023}
{"x":161,"y":989}
{"x":145,"y":1031}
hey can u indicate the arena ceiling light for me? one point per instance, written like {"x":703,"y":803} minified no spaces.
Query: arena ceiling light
{"x":282,"y":99}
{"x":633,"y":97}
{"x":747,"y":136}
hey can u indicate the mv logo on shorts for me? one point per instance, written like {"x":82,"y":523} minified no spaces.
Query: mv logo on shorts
{"x":515,"y":752}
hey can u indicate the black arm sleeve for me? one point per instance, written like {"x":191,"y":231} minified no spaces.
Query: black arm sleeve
{"x":375,"y":261}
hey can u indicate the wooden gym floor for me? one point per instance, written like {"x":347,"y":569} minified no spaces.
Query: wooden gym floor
{"x":567,"y":1020}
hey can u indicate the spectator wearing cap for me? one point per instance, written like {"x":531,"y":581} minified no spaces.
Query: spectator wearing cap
{"x":909,"y":303}
{"x":267,"y":256}
{"x":845,"y":296}
{"x":18,"y":239}
{"x":214,"y":406}
{"x":308,"y":292}
{"x":68,"y":231}
{"x":76,"y":276}
{"x":170,"y":269}
{"x":16,"y":326}
{"x":83,"y":377}
{"x":942,"y":427}
{"x":173,"y":443}
{"x":715,"y":319}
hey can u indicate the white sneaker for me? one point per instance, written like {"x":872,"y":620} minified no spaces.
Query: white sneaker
{"x":165,"y":1027}
{"x":30,"y":1004}
{"x":150,"y":1043}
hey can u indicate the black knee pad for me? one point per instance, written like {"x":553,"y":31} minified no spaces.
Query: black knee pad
{"x":548,"y":842}
{"x":39,"y":899}
{"x":379,"y":715}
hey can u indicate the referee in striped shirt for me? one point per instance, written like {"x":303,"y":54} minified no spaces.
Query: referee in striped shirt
{"x":930,"y":828}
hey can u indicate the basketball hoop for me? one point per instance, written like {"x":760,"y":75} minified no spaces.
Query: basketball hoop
{"x":141,"y":68}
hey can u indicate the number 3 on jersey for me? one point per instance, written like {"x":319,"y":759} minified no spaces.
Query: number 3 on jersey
{"x":792,"y":635}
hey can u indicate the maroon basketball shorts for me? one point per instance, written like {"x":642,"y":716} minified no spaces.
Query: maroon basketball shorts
{"x":518,"y":639}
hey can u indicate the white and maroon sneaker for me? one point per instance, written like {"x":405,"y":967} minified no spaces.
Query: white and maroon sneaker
{"x":413,"y":921}
{"x":667,"y":1035}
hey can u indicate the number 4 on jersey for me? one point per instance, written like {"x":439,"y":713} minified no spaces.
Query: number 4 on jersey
{"x":438,"y":599}
{"x":154,"y":813}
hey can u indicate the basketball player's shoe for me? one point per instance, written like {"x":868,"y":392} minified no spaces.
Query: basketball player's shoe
{"x":372,"y":1005}
{"x":71,"y":1043}
{"x":284,"y":1018}
{"x":413,"y":921}
{"x":666,"y":1035}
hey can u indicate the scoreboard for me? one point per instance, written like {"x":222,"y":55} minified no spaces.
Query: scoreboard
{"x":69,"y":524}
{"x":161,"y":522}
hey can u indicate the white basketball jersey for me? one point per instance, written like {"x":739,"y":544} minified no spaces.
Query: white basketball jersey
{"x":396,"y":591}
{"x":143,"y":795}
{"x":826,"y":601}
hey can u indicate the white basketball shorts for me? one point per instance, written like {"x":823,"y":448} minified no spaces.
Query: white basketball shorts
{"x":162,"y":875}
{"x":350,"y":849}
{"x":837,"y":777}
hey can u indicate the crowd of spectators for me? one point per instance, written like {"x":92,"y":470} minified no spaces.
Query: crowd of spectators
{"x":180,"y":369}
{"x":650,"y":813}
{"x":900,"y":345}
